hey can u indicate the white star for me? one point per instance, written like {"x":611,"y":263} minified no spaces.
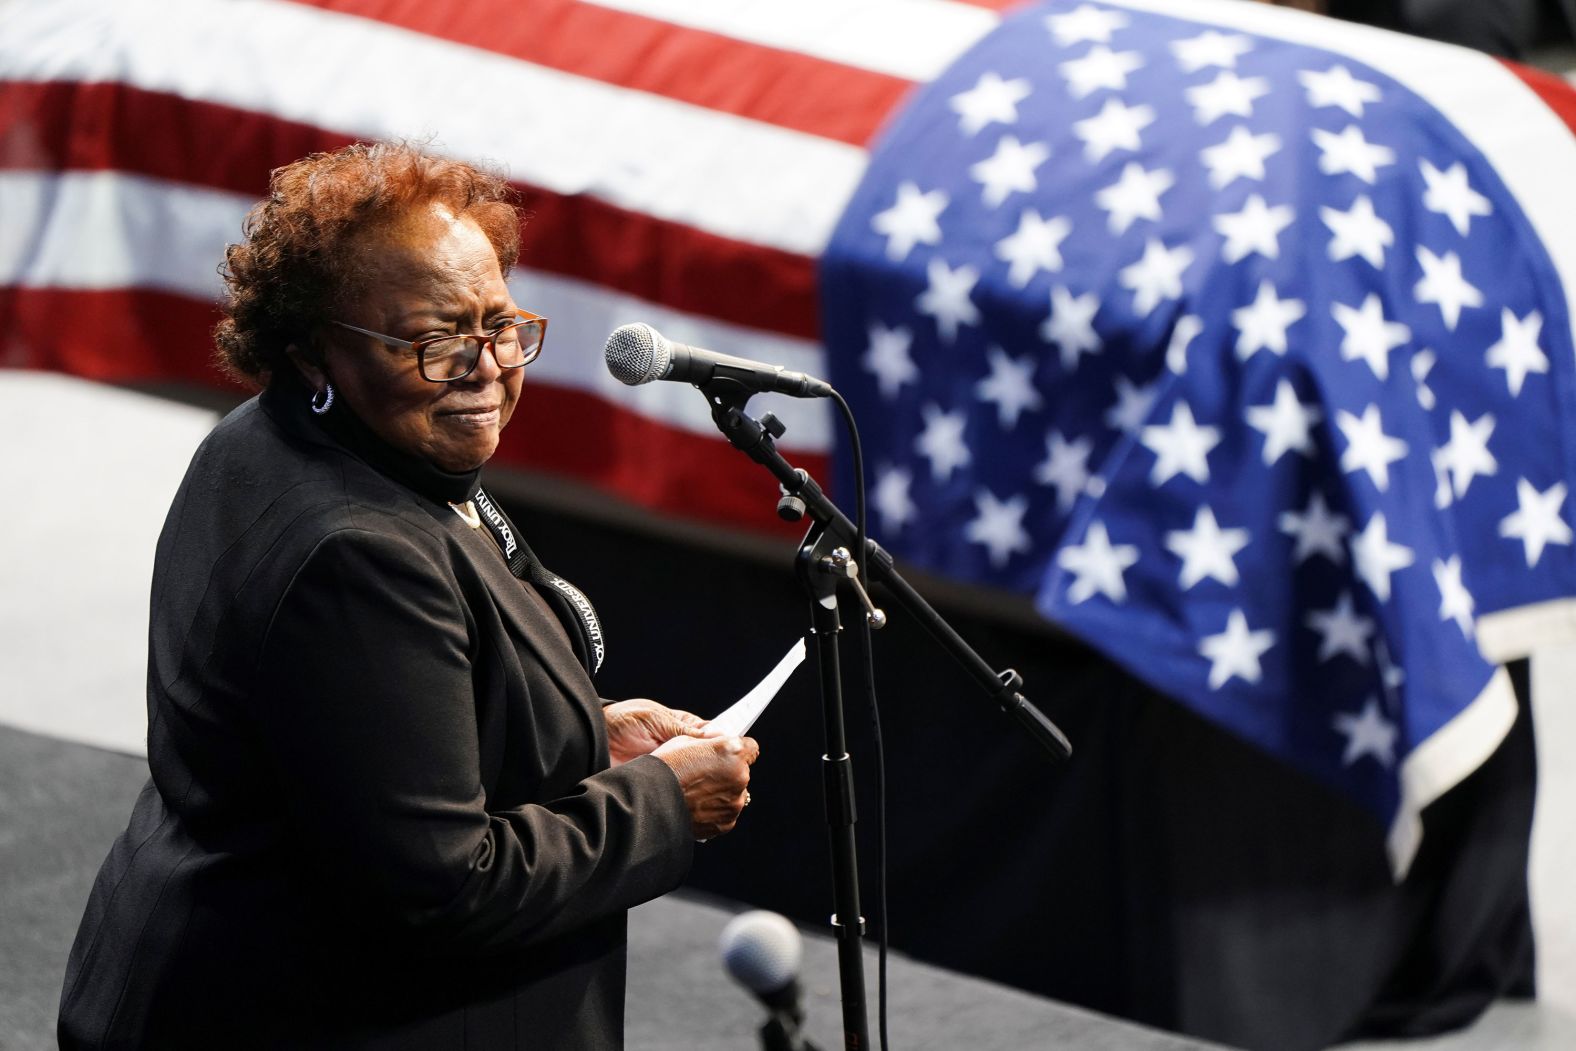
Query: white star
{"x":1466,"y":455}
{"x":1235,"y":652}
{"x":1256,"y":228}
{"x":1157,"y":276}
{"x":1376,"y":558}
{"x":1369,"y":733}
{"x":1443,"y":284}
{"x":1180,"y":447}
{"x":1442,"y":496}
{"x":1188,"y":328}
{"x":1071,"y":325}
{"x":1115,"y":127}
{"x":991,"y":100}
{"x":946,"y":298}
{"x":1136,"y":195}
{"x":1337,"y":87}
{"x":889,"y":359}
{"x":1097,"y":566}
{"x":892,"y":499}
{"x":1010,"y":169}
{"x":1132,"y":406}
{"x":1368,"y":335}
{"x":1317,"y":530}
{"x":1286,"y":424}
{"x":941,"y":442}
{"x":1536,"y":522}
{"x":1368,"y":448}
{"x":1066,"y":466}
{"x":1100,"y":68}
{"x":1206,"y":550}
{"x":1226,"y":95}
{"x":1422,"y":364}
{"x":1262,"y":324}
{"x":910,"y":221}
{"x":1455,"y":601}
{"x":1341,"y":630}
{"x":1210,"y":49}
{"x":1517,"y":350}
{"x":1450,"y":195}
{"x":1085,"y":24}
{"x":1391,"y":674}
{"x":998,"y":524}
{"x":1241,"y":156}
{"x":1010,"y":386}
{"x":1350,"y":152}
{"x":1358,"y":232}
{"x":1036,"y":245}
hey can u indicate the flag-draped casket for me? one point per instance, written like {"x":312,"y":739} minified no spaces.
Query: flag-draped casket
{"x":1235,"y":337}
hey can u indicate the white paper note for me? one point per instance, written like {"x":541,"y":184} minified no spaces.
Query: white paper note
{"x":737,"y":720}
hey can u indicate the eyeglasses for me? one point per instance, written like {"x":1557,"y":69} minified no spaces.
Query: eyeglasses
{"x":444,"y":359}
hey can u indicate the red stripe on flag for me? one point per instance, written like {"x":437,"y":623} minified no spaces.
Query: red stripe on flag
{"x":93,"y":127}
{"x":785,"y":88}
{"x":686,"y":474}
{"x":1555,"y":91}
{"x":112,"y":335}
{"x":138,"y":335}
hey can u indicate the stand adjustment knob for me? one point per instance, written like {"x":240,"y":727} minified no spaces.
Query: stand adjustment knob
{"x":772,"y":425}
{"x":789,"y":507}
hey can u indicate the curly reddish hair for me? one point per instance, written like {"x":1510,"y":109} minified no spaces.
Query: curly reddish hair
{"x":295,"y":267}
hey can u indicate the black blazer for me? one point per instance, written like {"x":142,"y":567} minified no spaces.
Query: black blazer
{"x":381,"y":812}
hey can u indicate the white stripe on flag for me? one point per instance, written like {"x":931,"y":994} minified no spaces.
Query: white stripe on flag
{"x":103,"y":230}
{"x":100,"y":230}
{"x":912,"y":39}
{"x":1528,"y":145}
{"x":580,"y":317}
{"x":727,"y":175}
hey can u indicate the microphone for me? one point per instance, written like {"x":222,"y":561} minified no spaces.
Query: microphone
{"x":637,"y":353}
{"x":761,"y":951}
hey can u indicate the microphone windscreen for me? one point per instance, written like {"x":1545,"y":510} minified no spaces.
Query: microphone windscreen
{"x":761,"y":951}
{"x":637,"y":353}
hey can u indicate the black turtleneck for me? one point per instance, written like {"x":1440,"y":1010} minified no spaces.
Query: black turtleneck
{"x":289,"y":396}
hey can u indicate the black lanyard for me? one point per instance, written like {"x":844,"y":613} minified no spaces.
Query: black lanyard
{"x":568,"y":602}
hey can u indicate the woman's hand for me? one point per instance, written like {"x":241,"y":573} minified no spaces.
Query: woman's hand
{"x":638,"y":727}
{"x":715,"y":775}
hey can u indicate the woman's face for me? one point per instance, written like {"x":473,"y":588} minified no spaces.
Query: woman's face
{"x":429,"y":276}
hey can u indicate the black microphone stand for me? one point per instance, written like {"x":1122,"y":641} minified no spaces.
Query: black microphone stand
{"x":824,"y":564}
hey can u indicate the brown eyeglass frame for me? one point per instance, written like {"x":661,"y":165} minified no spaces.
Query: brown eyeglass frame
{"x":488,"y":341}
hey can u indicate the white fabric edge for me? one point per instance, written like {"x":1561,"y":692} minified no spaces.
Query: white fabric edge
{"x":1497,"y":111}
{"x":737,"y":178}
{"x":1512,"y":634}
{"x":1443,"y":760}
{"x":912,"y":39}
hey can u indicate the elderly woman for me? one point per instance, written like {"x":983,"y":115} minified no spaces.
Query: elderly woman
{"x":388,"y":808}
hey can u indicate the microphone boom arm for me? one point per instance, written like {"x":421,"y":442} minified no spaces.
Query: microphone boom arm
{"x":754,"y":438}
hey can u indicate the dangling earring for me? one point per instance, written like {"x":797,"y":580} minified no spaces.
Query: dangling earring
{"x":323,"y":400}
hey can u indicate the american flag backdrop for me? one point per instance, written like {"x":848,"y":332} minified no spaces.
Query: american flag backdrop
{"x":1237,"y":336}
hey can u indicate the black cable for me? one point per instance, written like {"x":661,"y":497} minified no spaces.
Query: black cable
{"x":860,"y":557}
